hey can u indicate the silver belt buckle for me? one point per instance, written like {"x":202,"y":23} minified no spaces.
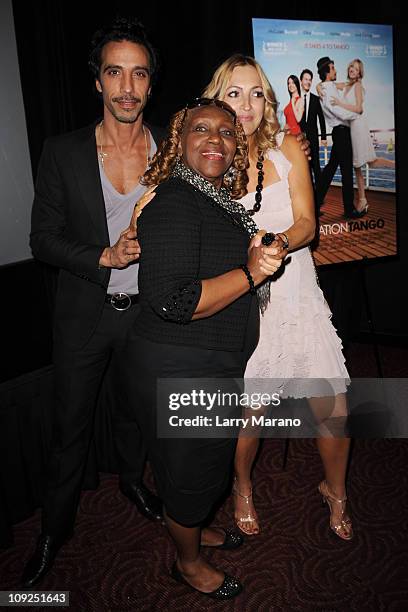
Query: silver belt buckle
{"x":121,"y":301}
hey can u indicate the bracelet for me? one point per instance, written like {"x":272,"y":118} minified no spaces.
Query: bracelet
{"x":252,"y":289}
{"x":286,"y":241}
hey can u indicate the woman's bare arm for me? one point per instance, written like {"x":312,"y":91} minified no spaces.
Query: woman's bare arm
{"x":303,"y":229}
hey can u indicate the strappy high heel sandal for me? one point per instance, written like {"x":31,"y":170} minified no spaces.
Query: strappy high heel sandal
{"x":244,"y":522}
{"x":344,"y":528}
{"x":362,"y":205}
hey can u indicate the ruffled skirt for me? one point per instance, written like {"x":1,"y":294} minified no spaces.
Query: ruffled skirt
{"x":299,"y":353}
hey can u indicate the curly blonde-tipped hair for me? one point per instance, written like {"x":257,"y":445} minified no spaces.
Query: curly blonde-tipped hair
{"x":265,"y":136}
{"x":235,"y":179}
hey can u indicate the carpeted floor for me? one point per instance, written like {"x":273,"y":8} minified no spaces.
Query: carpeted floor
{"x":118,"y":561}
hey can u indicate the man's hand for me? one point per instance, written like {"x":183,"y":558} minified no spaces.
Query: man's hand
{"x":122,"y":253}
{"x":127,"y":248}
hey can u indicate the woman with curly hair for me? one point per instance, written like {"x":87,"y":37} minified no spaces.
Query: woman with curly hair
{"x":199,"y":320}
{"x":297,"y":339}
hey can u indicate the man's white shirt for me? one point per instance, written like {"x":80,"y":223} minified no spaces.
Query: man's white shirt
{"x":335,"y":115}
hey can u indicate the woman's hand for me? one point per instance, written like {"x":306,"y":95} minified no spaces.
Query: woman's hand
{"x":264,"y":261}
{"x":220,"y":291}
{"x":277,"y":244}
{"x":304,"y":145}
{"x":320,"y":90}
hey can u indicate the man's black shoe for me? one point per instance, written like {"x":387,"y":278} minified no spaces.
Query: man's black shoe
{"x":145,"y":501}
{"x":42,"y":560}
{"x":355,"y":214}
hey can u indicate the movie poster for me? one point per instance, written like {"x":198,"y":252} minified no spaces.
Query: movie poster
{"x":358,"y":95}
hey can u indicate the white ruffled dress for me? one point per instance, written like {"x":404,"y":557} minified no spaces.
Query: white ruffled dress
{"x":297,"y":338}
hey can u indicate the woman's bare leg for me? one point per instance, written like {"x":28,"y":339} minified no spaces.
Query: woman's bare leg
{"x":360,"y":185}
{"x":200,"y":574}
{"x":333,"y":448}
{"x":247,"y":447}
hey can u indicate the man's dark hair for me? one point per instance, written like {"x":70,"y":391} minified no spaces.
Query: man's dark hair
{"x":323,"y":67}
{"x":306,"y":71}
{"x":121,"y":29}
{"x":324,"y":70}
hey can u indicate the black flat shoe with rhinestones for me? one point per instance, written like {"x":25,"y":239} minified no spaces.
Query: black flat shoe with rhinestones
{"x":232,"y":541}
{"x":230,"y":587}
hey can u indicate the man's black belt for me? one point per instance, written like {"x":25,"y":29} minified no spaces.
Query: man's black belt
{"x":121,"y":301}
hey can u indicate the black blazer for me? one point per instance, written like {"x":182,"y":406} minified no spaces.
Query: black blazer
{"x":310,"y":126}
{"x":69,"y":230}
{"x":185,"y":238}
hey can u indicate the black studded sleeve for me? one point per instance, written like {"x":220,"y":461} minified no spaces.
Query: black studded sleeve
{"x":169,"y":231}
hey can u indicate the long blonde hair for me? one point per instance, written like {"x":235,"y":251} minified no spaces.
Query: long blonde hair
{"x":168,"y":152}
{"x":265,"y":136}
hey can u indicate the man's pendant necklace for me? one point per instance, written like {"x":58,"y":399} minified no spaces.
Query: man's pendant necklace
{"x":102,"y":154}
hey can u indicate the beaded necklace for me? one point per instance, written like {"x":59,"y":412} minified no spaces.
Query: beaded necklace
{"x":259,"y":187}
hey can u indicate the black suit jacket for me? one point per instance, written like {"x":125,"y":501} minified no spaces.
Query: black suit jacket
{"x":310,"y":126}
{"x":69,"y":230}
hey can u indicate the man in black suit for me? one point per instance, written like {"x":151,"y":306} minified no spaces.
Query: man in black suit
{"x":87,"y":185}
{"x":341,"y":154}
{"x":313,"y":112}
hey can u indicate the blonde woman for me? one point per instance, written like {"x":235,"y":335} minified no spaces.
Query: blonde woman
{"x":297,"y":339}
{"x":363,"y":148}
